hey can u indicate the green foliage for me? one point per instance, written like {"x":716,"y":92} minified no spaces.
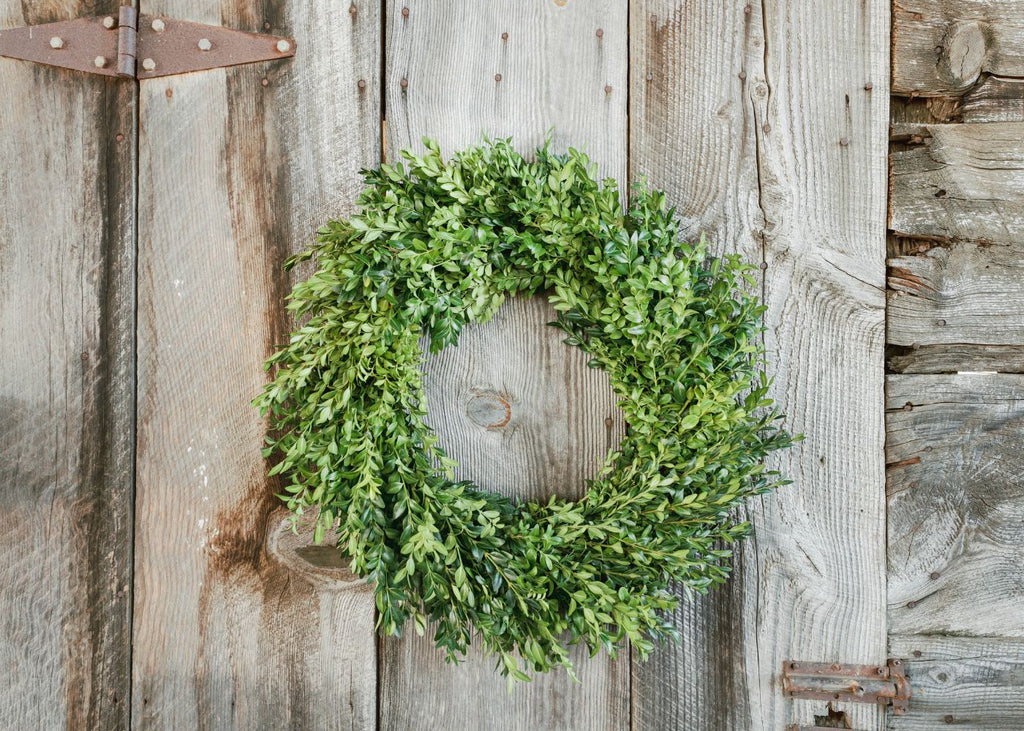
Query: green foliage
{"x":440,"y":244}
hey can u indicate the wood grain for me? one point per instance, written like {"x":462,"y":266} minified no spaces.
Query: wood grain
{"x":959,"y":294}
{"x":944,"y":46}
{"x":963,"y":182}
{"x":453,"y":76}
{"x":995,"y":100}
{"x":955,"y":357}
{"x":956,"y":504}
{"x":236,"y":627}
{"x":961,"y":682}
{"x":798,"y":181}
{"x":66,"y":394}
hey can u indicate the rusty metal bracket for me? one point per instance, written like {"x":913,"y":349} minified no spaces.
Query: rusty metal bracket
{"x":143,"y":47}
{"x":885,"y":685}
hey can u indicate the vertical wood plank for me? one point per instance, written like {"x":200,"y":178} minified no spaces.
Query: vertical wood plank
{"x":66,"y":387}
{"x":457,"y":71}
{"x":238,"y":625}
{"x":756,"y":120}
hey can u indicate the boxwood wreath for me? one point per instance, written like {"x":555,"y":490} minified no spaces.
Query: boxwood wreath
{"x":437,"y":245}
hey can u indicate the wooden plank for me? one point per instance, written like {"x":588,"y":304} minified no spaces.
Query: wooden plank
{"x":962,"y":181}
{"x":236,"y":626}
{"x":961,"y":682}
{"x":995,"y":100}
{"x":66,"y":387}
{"x":785,"y":164}
{"x":452,"y":74}
{"x":959,"y":294}
{"x":955,"y":357}
{"x":956,"y":504}
{"x":943,"y":47}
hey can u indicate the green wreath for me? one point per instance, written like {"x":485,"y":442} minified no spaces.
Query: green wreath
{"x":440,"y":244}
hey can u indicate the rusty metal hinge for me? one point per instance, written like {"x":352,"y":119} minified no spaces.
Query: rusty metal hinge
{"x":142,"y":47}
{"x":885,"y":685}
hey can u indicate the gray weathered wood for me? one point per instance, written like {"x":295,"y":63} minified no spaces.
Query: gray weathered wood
{"x":944,"y":46}
{"x":762,"y":131}
{"x":66,"y":370}
{"x":962,"y":182}
{"x":961,"y":682}
{"x":451,"y":75}
{"x":995,"y":100}
{"x":955,"y":357}
{"x":956,"y":504}
{"x":235,"y":626}
{"x":959,"y":294}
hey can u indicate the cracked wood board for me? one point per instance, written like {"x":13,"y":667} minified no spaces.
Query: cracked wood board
{"x":66,"y":392}
{"x":519,"y":409}
{"x":757,"y":122}
{"x":234,"y":626}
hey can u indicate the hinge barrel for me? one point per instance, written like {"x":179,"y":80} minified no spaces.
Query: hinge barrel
{"x":127,"y":41}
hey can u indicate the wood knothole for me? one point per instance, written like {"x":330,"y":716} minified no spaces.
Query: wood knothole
{"x":322,"y":565}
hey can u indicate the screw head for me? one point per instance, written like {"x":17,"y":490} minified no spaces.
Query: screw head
{"x":148,"y":64}
{"x":158,"y":25}
{"x":204,"y":44}
{"x":109,"y":22}
{"x":284,"y":46}
{"x":56,"y":42}
{"x":100,"y":62}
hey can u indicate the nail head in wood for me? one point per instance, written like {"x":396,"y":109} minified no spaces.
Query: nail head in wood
{"x":868,"y":86}
{"x":56,"y":42}
{"x":844,"y":141}
{"x":504,"y":36}
{"x":405,"y":12}
{"x":404,"y":83}
{"x":607,"y":89}
{"x":497,"y":77}
{"x":158,"y":25}
{"x":361,"y":84}
{"x":600,"y":33}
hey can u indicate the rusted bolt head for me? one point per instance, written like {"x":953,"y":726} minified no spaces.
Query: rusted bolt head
{"x":99,"y":62}
{"x":56,"y":42}
{"x":497,"y":77}
{"x":405,"y":12}
{"x":148,"y":64}
{"x":404,"y":83}
{"x":158,"y":25}
{"x":283,"y":46}
{"x":607,"y":89}
{"x":205,"y":45}
{"x":599,"y":33}
{"x":361,"y":84}
{"x":109,"y":22}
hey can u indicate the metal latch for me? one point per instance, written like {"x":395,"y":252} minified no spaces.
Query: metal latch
{"x":142,"y":47}
{"x":886,"y":685}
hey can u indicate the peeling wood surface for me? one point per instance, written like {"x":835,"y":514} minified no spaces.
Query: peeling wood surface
{"x":521,"y":411}
{"x":961,"y":294}
{"x":944,"y":46}
{"x":962,"y":181}
{"x":761,"y":128}
{"x":956,"y":504}
{"x":234,"y":626}
{"x":962,"y":683}
{"x":66,"y":404}
{"x":995,"y":100}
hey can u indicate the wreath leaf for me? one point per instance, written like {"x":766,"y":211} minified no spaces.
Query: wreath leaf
{"x":439,"y":244}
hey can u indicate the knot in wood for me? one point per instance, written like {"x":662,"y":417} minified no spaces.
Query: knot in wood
{"x":490,"y":410}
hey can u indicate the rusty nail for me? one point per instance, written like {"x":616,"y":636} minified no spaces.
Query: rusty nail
{"x":497,"y":77}
{"x":264,"y":82}
{"x":158,"y":25}
{"x":868,"y":86}
{"x":148,"y":64}
{"x":844,"y":141}
{"x":934,"y":575}
{"x":353,"y":10}
{"x":918,"y":16}
{"x":85,"y":356}
{"x":743,"y":75}
{"x":608,"y":421}
{"x":205,"y":45}
{"x":504,"y":36}
{"x":361,"y":84}
{"x":911,"y":604}
{"x":56,"y":42}
{"x":109,"y":22}
{"x":100,"y":62}
{"x":836,"y":667}
{"x":405,"y":12}
{"x":266,"y":26}
{"x":607,"y":89}
{"x":908,"y":406}
{"x":650,"y":76}
{"x":119,"y":137}
{"x":283,"y":46}
{"x":767,"y":128}
{"x":747,"y":9}
{"x":940,"y":322}
{"x":169,"y":92}
{"x":404,"y":83}
{"x":600,"y":33}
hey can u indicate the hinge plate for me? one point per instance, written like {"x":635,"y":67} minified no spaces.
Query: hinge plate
{"x":885,"y":685}
{"x":143,"y":47}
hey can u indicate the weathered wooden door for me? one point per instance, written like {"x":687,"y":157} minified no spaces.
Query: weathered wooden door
{"x":145,"y":579}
